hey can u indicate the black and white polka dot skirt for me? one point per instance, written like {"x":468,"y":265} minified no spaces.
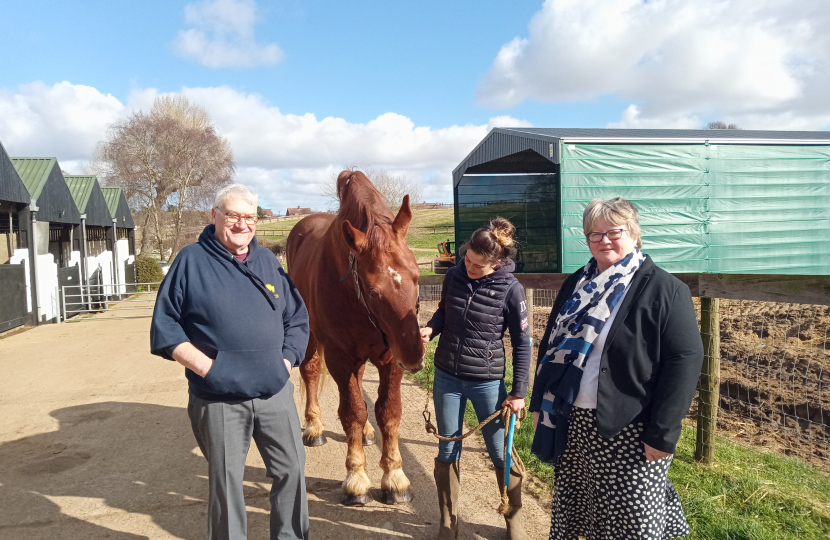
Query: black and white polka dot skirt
{"x":605,"y":489}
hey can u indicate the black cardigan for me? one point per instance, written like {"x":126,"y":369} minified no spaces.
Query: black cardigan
{"x":652,"y":358}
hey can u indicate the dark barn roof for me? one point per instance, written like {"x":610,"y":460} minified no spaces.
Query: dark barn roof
{"x":11,"y":186}
{"x":47,"y":187}
{"x":89,"y":199}
{"x":501,"y":143}
{"x":118,"y":207}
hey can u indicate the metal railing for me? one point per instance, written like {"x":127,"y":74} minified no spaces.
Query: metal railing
{"x":108,"y":299}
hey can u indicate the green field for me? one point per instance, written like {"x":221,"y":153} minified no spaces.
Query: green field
{"x":746,"y":495}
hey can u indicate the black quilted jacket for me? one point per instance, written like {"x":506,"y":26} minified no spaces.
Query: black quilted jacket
{"x":472,"y":318}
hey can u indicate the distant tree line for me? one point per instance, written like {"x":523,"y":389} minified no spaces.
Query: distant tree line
{"x":722,"y":125}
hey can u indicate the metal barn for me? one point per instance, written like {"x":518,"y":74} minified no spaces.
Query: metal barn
{"x":715,"y":201}
{"x":15,"y":303}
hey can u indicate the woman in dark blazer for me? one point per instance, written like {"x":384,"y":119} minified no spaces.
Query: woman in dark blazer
{"x":616,"y":373}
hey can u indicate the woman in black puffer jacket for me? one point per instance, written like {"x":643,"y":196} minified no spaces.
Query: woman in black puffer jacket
{"x":480,"y":300}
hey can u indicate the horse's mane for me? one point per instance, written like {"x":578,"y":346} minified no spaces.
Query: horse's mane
{"x":362,"y":204}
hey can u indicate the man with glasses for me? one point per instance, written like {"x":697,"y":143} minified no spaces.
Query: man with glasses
{"x":229,"y":313}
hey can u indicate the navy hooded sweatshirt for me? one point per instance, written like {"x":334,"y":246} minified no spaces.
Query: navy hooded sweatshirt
{"x":247,"y":316}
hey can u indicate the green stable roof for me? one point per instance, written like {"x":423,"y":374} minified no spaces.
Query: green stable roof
{"x":118,"y":207}
{"x":112,"y":195}
{"x":34,"y":172}
{"x":43,"y":179}
{"x":81,"y":189}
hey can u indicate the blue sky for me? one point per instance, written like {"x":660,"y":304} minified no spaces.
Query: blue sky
{"x":354,"y":60}
{"x":302,"y":90}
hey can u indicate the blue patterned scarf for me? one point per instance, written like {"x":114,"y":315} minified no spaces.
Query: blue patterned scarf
{"x":577,"y":326}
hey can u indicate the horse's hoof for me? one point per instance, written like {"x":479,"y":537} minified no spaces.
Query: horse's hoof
{"x":368,"y":441}
{"x":347,"y":499}
{"x":392,"y":497}
{"x":315,"y":441}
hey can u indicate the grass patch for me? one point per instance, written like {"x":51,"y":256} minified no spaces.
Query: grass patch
{"x":749,"y":494}
{"x":416,"y":239}
{"x":442,"y":217}
{"x":286,"y":225}
{"x":746,"y":495}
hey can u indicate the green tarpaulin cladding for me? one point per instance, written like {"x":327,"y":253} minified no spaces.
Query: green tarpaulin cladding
{"x":719,"y":208}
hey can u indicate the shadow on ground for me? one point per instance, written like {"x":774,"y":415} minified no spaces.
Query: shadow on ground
{"x":125,"y":470}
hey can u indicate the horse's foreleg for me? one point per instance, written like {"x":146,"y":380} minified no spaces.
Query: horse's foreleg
{"x":353,"y":416}
{"x":310,"y":370}
{"x":388,"y":410}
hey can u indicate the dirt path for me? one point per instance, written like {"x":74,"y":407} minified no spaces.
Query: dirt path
{"x":95,"y":443}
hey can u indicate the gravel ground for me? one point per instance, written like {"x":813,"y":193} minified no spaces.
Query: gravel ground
{"x":95,"y":443}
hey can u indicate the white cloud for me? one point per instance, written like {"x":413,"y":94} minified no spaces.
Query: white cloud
{"x":64,"y":120}
{"x":507,"y":121}
{"x":284,"y":156}
{"x":222,"y":35}
{"x":760,"y":63}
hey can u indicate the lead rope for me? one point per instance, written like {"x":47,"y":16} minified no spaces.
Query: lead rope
{"x":518,"y":467}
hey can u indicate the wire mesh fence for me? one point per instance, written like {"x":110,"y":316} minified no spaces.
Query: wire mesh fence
{"x":774,"y":387}
{"x":770,"y":381}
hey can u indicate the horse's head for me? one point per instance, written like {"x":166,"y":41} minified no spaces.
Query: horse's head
{"x":389,"y":280}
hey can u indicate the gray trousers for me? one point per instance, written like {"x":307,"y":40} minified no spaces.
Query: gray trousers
{"x":224,"y":432}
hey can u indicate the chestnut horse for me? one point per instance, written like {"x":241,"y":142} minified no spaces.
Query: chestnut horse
{"x":359,"y":281}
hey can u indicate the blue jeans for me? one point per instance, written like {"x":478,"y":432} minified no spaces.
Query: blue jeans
{"x":450,"y":395}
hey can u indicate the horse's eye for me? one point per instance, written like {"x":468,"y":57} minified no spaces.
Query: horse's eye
{"x":373,"y":293}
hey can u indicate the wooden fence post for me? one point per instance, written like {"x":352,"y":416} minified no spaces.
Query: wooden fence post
{"x":529,"y":297}
{"x":709,"y":394}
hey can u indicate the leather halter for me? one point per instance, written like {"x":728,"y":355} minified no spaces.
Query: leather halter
{"x":358,"y":289}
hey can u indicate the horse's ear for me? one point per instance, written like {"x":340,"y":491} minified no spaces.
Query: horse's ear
{"x":404,"y":217}
{"x":355,"y":239}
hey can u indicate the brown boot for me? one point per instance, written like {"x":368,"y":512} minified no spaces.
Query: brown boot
{"x":448,"y":481}
{"x":513,"y":519}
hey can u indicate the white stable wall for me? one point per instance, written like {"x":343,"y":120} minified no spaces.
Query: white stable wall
{"x":122,"y":248}
{"x":104,"y":260}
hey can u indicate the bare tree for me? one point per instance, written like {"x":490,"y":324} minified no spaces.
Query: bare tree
{"x":169,"y":163}
{"x":393,"y":187}
{"x":722,"y":125}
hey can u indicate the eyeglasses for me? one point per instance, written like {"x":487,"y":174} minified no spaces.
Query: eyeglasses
{"x":613,"y":234}
{"x":233,"y":218}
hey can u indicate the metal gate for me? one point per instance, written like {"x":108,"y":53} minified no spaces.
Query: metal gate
{"x":69,"y":278}
{"x":129,"y":278}
{"x":103,"y":299}
{"x":13,"y":310}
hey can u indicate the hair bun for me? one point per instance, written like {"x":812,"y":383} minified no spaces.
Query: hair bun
{"x":503,"y":230}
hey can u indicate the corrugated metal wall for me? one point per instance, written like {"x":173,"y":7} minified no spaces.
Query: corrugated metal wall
{"x":499,"y":144}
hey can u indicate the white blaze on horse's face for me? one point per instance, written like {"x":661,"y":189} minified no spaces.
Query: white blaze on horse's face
{"x":396,"y":276}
